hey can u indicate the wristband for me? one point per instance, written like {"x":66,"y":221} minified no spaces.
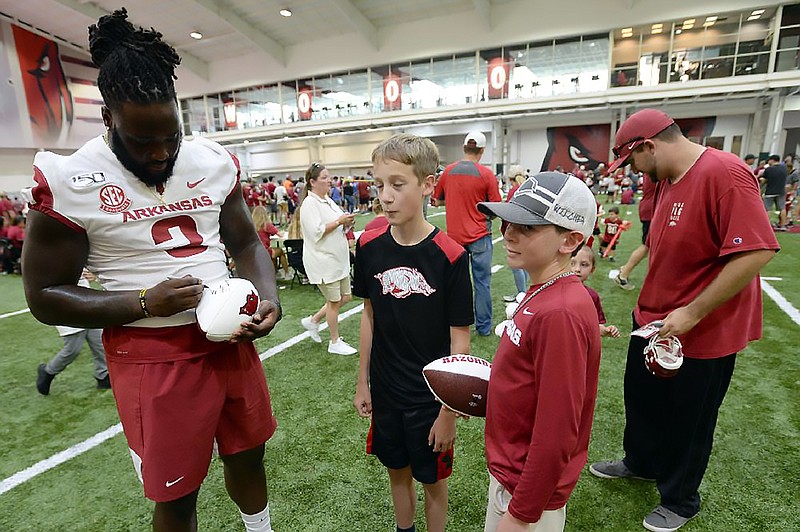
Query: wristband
{"x":143,"y":303}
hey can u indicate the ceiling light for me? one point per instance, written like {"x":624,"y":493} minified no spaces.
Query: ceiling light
{"x":753,"y":17}
{"x":758,"y":12}
{"x":688,"y":26}
{"x":627,"y":30}
{"x":196,"y":35}
{"x":286,"y":12}
{"x":657,"y":26}
{"x":246,"y":141}
{"x":708,"y":24}
{"x":678,"y":31}
{"x":655,"y":31}
{"x":712,"y":19}
{"x":689,"y":21}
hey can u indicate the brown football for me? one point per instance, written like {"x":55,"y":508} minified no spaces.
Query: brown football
{"x":460,"y":382}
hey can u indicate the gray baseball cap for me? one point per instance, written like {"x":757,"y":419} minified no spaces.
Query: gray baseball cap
{"x":548,"y":198}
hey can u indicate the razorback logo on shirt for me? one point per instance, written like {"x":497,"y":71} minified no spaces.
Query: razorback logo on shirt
{"x":183,"y":205}
{"x":403,"y":281}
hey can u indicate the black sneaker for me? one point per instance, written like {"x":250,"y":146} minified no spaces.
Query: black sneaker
{"x":623,"y":283}
{"x":43,"y":380}
{"x":104,"y":383}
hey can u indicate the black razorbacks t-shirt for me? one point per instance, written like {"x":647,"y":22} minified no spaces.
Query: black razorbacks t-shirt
{"x":417,"y":293}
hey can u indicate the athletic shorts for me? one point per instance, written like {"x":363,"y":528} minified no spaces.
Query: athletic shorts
{"x":645,"y":231}
{"x":336,"y":290}
{"x":399,"y":438}
{"x":779,"y":202}
{"x":173,"y":412}
{"x":605,"y":244}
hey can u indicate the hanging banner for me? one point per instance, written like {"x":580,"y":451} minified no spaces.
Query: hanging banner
{"x":229,"y":111}
{"x":498,"y":74}
{"x":392,"y":90}
{"x":304,"y":108}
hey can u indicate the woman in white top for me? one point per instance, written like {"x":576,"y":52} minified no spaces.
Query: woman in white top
{"x":326,"y":256}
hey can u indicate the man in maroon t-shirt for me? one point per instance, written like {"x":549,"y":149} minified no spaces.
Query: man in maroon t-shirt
{"x":462,"y":186}
{"x":709,"y":237}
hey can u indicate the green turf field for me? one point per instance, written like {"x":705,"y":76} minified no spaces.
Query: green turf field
{"x":319,"y":477}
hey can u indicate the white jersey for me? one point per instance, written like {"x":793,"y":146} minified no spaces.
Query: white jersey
{"x":137,"y":237}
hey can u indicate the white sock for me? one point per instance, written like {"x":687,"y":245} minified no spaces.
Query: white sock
{"x":257,"y":522}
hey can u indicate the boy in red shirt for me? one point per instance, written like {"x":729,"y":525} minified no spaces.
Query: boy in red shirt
{"x":544,"y":374}
{"x":612,"y":224}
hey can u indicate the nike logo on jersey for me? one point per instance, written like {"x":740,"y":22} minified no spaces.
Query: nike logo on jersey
{"x":169,"y":484}
{"x":527,"y":312}
{"x":194,"y":184}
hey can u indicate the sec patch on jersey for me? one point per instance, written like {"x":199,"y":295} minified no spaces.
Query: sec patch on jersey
{"x":224,"y":306}
{"x":460,"y":382}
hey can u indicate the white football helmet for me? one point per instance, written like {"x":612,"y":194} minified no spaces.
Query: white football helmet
{"x":663,"y":357}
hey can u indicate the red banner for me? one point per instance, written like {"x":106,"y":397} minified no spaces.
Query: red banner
{"x":304,"y":104}
{"x":229,"y":112}
{"x":498,"y":75}
{"x":392,"y":90}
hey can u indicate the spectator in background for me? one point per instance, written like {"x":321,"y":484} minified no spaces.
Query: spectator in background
{"x":282,"y":200}
{"x":646,"y":208}
{"x":750,"y":161}
{"x":774,"y":179}
{"x":462,"y":186}
{"x":363,"y":196}
{"x":326,"y":255}
{"x":516,"y":177}
{"x":380,"y":218}
{"x":336,"y":191}
{"x":15,"y":235}
{"x":6,"y":208}
{"x":349,"y":196}
{"x":73,"y":339}
{"x":265,"y":230}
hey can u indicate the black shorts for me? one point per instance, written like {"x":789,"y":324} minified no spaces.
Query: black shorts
{"x":604,"y":245}
{"x":645,"y":230}
{"x":399,"y":438}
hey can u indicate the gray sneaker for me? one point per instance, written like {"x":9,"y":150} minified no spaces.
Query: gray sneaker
{"x":614,"y":469}
{"x":624,"y":283}
{"x":664,"y":520}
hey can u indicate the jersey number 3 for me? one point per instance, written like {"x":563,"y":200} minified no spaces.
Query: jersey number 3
{"x":187,"y":227}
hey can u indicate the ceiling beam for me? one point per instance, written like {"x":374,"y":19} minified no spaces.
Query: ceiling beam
{"x":191,"y":62}
{"x":361,"y":23}
{"x":484,"y":10}
{"x":246,"y":30}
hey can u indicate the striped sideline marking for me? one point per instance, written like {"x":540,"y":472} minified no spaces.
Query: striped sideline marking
{"x":15,"y":313}
{"x":76,"y":450}
{"x":781,"y":301}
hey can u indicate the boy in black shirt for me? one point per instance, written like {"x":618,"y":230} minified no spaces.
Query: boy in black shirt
{"x":417,"y":307}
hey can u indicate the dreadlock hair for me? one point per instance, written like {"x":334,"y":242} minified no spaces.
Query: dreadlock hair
{"x":135,"y":64}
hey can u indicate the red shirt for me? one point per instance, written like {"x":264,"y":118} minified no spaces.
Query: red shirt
{"x":598,"y":305}
{"x":713,"y":212}
{"x":463,"y":185}
{"x":612,"y":228}
{"x":648,"y":202}
{"x":265,"y":233}
{"x":376,"y":223}
{"x":503,"y":223}
{"x":16,"y":234}
{"x":541,"y":398}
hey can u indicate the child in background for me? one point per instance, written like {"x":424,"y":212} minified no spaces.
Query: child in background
{"x":583,"y":265}
{"x":380,"y":218}
{"x":417,"y":307}
{"x":265,"y":230}
{"x":612,"y":225}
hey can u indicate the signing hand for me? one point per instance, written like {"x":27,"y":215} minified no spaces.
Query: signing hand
{"x":174,"y":295}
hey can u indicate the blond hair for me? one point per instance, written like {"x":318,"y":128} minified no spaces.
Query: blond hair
{"x":417,"y":152}
{"x":516,"y":173}
{"x":260,"y":217}
{"x":295,"y":231}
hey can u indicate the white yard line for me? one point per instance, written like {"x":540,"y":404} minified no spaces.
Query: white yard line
{"x":781,"y":301}
{"x":496,"y":268}
{"x":15,"y":313}
{"x":78,"y":449}
{"x":772,"y":278}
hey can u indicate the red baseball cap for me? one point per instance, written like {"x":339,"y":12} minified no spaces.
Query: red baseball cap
{"x":639,"y":127}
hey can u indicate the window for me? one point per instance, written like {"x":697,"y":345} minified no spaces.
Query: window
{"x":789,"y":41}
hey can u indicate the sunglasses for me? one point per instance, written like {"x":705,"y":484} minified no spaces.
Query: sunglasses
{"x":625,"y":149}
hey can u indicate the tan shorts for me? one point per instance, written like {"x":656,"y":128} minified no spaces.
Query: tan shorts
{"x":499,"y":499}
{"x":336,"y":290}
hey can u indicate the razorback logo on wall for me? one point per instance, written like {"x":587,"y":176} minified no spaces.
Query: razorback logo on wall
{"x":392,"y":92}
{"x":581,"y":145}
{"x":46,"y":92}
